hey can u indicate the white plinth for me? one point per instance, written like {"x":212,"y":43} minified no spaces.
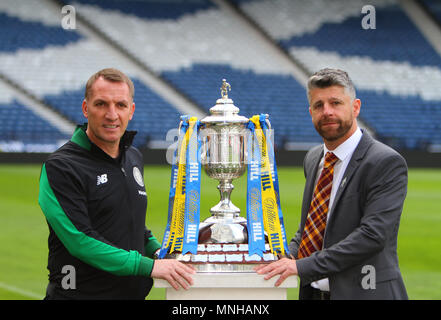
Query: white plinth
{"x":229,"y":286}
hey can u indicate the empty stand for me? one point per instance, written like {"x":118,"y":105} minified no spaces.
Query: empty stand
{"x":193,"y":45}
{"x":394,"y":68}
{"x":278,"y":95}
{"x":434,"y":7}
{"x":195,"y":50}
{"x":152,"y":9}
{"x":53,"y":64}
{"x":21,"y":124}
{"x":17,"y":34}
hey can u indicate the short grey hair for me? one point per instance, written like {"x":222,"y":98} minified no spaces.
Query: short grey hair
{"x":328,"y":77}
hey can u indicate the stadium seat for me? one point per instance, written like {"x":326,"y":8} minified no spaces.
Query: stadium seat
{"x":390,"y":65}
{"x":193,"y":45}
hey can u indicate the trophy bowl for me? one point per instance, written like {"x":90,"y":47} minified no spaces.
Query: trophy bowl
{"x":223,"y":158}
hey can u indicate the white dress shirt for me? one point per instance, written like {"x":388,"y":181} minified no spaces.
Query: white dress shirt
{"x":344,"y":154}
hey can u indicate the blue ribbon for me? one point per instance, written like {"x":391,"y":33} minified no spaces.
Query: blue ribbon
{"x":275,"y":178}
{"x":256,"y":235}
{"x":173,"y":181}
{"x":193,"y":193}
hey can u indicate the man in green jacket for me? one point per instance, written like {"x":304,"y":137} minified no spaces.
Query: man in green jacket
{"x":93,"y":196}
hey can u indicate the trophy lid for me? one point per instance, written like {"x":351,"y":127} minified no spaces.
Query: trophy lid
{"x":224,"y":111}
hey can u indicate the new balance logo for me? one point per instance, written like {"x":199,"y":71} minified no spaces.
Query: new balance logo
{"x":101,"y":179}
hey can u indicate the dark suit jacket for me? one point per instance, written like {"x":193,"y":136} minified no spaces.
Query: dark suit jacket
{"x":360,"y":243}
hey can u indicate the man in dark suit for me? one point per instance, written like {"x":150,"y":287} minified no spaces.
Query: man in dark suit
{"x":346,"y":244}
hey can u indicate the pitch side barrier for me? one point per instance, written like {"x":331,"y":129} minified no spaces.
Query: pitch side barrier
{"x":415,"y":159}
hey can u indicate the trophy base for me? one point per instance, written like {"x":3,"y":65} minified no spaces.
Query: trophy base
{"x":225,"y":257}
{"x":223,"y":247}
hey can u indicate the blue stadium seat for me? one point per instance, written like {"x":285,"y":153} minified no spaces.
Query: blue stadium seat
{"x":280,"y":96}
{"x":17,"y":34}
{"x":21,"y":124}
{"x":152,"y":9}
{"x":406,"y":119}
{"x":434,"y":7}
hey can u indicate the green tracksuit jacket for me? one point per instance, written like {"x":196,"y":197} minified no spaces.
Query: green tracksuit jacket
{"x":95,"y":207}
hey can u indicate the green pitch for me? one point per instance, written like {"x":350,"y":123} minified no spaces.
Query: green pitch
{"x":23,"y":230}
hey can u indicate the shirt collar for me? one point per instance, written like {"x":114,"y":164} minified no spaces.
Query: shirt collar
{"x":347,"y":147}
{"x":80,"y":138}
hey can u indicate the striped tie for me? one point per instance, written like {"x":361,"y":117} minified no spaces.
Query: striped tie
{"x":312,"y":237}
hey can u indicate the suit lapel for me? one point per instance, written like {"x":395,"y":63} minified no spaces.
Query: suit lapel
{"x":311,"y":167}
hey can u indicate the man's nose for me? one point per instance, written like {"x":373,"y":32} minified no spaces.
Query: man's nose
{"x":111,"y":113}
{"x":328,"y":109}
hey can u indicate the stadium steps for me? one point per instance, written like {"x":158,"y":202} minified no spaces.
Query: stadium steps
{"x":424,"y":21}
{"x":217,"y":35}
{"x":298,"y":70}
{"x":310,"y":41}
{"x":153,"y":80}
{"x":59,"y":92}
{"x":42,"y":109}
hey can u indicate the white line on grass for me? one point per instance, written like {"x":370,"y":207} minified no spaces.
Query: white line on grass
{"x":20,"y":291}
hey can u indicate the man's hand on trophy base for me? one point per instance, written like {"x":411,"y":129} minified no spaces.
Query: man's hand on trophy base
{"x":284,"y":267}
{"x":176,"y":273}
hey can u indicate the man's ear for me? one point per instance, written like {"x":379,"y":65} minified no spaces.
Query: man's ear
{"x":84,"y":108}
{"x":357,"y":106}
{"x":132,"y":111}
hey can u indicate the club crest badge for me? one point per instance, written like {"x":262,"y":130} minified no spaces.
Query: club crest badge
{"x":138,"y":176}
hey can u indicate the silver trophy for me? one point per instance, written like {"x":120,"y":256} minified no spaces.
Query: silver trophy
{"x":223,"y":157}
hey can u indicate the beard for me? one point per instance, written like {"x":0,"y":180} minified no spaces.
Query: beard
{"x":331,"y":133}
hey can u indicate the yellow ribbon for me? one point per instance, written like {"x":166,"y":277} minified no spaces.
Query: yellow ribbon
{"x":178,"y":214}
{"x":270,"y":210}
